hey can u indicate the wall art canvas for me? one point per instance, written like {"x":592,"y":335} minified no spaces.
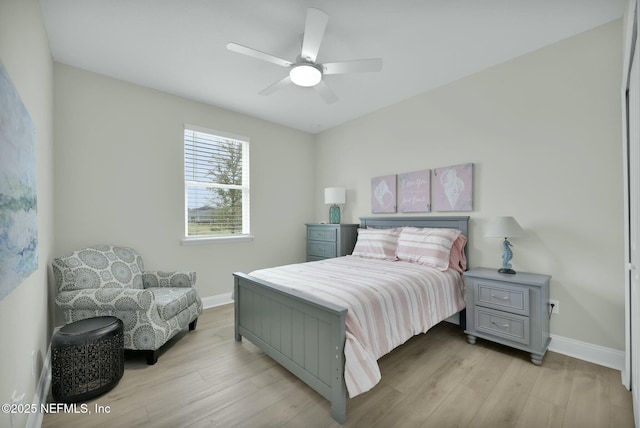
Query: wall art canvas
{"x":383,"y":194}
{"x":18,"y":217}
{"x":452,"y":188}
{"x":414,"y":191}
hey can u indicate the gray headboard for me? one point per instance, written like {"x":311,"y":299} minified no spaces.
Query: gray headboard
{"x":451,"y":222}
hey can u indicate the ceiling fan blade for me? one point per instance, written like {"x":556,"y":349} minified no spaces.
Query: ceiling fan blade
{"x":258,"y":54}
{"x":325,"y":92}
{"x":273,"y":88}
{"x":356,"y":66}
{"x":313,"y":33}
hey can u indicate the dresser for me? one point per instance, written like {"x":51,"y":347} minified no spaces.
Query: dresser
{"x":330,"y":240}
{"x":511,"y":309}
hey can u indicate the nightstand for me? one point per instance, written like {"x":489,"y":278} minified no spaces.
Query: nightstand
{"x":325,"y":241}
{"x":511,"y":309}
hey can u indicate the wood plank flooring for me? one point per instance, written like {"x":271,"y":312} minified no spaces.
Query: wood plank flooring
{"x":204,"y":378}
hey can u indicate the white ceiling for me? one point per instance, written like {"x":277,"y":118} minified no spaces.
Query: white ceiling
{"x":179,"y":46}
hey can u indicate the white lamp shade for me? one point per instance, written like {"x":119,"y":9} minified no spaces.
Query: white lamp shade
{"x":504,"y":227}
{"x":334,"y":195}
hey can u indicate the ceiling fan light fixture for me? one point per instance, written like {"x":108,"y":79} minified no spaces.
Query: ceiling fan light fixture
{"x":305,"y":75}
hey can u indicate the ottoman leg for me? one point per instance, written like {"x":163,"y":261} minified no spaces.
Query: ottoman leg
{"x":152,"y":357}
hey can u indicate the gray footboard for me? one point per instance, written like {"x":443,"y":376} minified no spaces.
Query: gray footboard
{"x":305,"y":335}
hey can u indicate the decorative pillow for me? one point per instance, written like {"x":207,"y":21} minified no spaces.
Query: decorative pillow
{"x":457,"y":258}
{"x":426,"y":246}
{"x":377,"y":243}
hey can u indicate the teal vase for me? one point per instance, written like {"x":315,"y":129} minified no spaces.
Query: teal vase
{"x":334,"y":214}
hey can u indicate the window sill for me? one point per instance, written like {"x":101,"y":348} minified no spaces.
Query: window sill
{"x":215,"y":239}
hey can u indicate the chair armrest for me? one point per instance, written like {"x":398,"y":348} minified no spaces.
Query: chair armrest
{"x":168,"y":279}
{"x":115,"y":299}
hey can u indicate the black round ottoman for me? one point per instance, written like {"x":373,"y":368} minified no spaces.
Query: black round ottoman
{"x":87,"y":358}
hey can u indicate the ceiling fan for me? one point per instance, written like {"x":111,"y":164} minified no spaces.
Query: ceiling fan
{"x":305,"y":71}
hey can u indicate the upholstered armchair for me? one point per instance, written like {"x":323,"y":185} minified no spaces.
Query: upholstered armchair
{"x":110,"y":280}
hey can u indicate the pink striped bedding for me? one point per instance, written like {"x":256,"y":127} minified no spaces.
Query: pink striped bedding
{"x":388,"y":302}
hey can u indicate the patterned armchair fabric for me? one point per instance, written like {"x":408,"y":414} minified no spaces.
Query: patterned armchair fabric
{"x":109,"y":280}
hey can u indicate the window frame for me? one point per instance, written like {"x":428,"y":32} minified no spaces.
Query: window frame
{"x":244,"y":187}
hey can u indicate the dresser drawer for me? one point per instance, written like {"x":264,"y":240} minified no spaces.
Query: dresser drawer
{"x":494,"y":294}
{"x":501,"y":324}
{"x":321,"y":234}
{"x":321,"y":249}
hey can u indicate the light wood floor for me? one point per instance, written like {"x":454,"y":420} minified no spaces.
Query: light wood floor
{"x":204,"y":378}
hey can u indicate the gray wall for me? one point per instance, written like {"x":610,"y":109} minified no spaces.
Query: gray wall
{"x":24,"y":313}
{"x":119,"y":178}
{"x":544,"y":134}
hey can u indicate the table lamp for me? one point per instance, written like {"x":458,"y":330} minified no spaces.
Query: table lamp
{"x":334,"y":196}
{"x":505,"y":227}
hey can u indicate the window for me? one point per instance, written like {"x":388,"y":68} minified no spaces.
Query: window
{"x":216,"y":184}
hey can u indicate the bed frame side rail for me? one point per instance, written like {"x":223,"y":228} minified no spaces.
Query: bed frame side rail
{"x":304,"y":334}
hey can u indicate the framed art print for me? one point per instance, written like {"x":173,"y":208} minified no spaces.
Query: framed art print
{"x":452,"y":188}
{"x":18,"y":215}
{"x":383,"y":194}
{"x":414,"y":192}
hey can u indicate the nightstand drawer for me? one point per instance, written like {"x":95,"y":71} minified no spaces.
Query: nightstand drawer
{"x":507,"y":326}
{"x":509,"y":309}
{"x":321,"y":249}
{"x":322,"y":234}
{"x":493,"y":294}
{"x":330,"y":240}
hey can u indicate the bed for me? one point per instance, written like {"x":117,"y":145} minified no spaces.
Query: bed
{"x":307,"y":334}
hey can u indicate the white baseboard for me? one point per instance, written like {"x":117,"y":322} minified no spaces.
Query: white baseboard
{"x":596,"y":354}
{"x":217,"y":300}
{"x":42,"y":392}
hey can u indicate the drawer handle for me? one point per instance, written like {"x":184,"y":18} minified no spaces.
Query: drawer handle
{"x":500,"y":297}
{"x":500,"y":325}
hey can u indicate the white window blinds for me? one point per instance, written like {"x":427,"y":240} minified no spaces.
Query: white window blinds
{"x":216,"y":171}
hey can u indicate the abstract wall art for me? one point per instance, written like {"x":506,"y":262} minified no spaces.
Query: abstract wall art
{"x":414,"y":191}
{"x":452,"y":188}
{"x":18,"y":215}
{"x":383,"y":194}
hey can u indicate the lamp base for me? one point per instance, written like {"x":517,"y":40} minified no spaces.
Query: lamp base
{"x":334,"y":214}
{"x":509,"y":271}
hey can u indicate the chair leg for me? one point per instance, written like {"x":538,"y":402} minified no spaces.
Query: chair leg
{"x":192,"y":324}
{"x":152,"y":357}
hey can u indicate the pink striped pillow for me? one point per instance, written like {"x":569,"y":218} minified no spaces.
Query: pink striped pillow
{"x":377,"y":243}
{"x":426,"y":246}
{"x":457,"y":259}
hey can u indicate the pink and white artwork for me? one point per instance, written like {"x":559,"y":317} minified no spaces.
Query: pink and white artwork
{"x":452,"y":188}
{"x":414,"y":192}
{"x":383,"y":194}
